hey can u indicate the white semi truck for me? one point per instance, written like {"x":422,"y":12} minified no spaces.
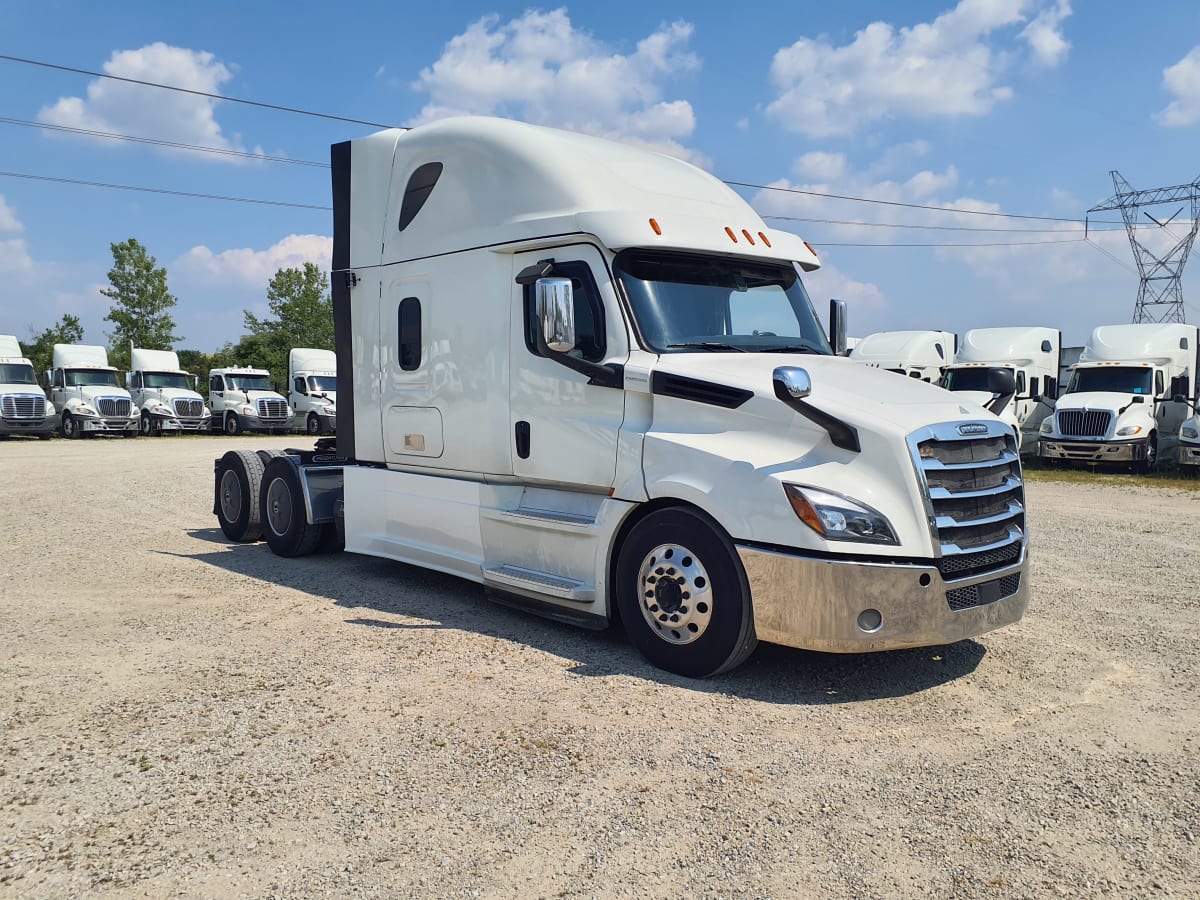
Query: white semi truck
{"x":24,"y":408}
{"x":87,"y":392}
{"x":1033,"y":356}
{"x":164,"y":394}
{"x":1127,"y":396}
{"x":638,"y":416}
{"x":923,"y":355}
{"x":312,"y":389}
{"x":1189,"y":441}
{"x":244,"y":399}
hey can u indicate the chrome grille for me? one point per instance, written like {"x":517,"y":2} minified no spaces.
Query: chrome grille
{"x":191,"y":409}
{"x":976,"y":496}
{"x":982,"y":594}
{"x":23,"y":406}
{"x":114,"y":406}
{"x":272,"y":409}
{"x":1084,"y":422}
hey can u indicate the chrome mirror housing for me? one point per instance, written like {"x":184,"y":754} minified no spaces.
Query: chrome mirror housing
{"x":556,"y":313}
{"x":795,"y":381}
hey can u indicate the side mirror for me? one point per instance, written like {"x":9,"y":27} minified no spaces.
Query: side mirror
{"x":1179,"y":398}
{"x":1180,"y":384}
{"x":128,"y":381}
{"x":837,"y":326}
{"x":794,"y":381}
{"x":196,"y":383}
{"x":556,"y":313}
{"x":1000,"y":380}
{"x":1139,"y":399}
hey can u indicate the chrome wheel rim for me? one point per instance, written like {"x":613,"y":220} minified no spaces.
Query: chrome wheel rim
{"x":675,"y":594}
{"x":314,"y":427}
{"x":231,"y":496}
{"x":279,"y":506}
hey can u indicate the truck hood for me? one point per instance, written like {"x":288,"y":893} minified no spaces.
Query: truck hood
{"x":92,"y":391}
{"x":174,"y":393}
{"x":259,"y":395}
{"x":22,"y":389}
{"x":1100,"y":400}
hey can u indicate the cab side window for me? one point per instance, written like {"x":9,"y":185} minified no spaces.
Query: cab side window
{"x":58,"y":378}
{"x":1020,"y":384}
{"x":215,"y":385}
{"x":298,"y":385}
{"x":1158,"y":383}
{"x":589,"y":312}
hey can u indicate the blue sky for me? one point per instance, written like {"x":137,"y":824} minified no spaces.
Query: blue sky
{"x":1013,"y":106}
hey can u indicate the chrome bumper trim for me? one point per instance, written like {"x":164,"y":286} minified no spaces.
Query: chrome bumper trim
{"x":1092,"y":451}
{"x":1189,"y":454}
{"x":814,"y":604}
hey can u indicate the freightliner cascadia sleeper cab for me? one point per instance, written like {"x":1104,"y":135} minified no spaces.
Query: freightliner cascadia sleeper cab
{"x":588,"y":377}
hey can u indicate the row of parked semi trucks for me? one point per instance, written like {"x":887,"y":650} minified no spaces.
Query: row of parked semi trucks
{"x":1128,"y":396}
{"x":86,"y":396}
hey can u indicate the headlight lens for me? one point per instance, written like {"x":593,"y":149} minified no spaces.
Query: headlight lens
{"x":247,"y":410}
{"x":1047,"y":427}
{"x":1127,"y":430}
{"x":1188,"y":431}
{"x":49,"y":411}
{"x":205,"y":413}
{"x":838,"y":518}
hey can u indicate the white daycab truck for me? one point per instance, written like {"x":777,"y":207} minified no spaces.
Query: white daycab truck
{"x":163,"y":393}
{"x":24,"y":408}
{"x":243,"y":399}
{"x":588,"y":377}
{"x":312,"y":389}
{"x":1127,"y":396}
{"x":87,"y":392}
{"x":923,"y":355}
{"x":1033,"y":356}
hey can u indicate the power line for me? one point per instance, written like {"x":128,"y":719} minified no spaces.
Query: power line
{"x":162,"y":143}
{"x":150,"y":190}
{"x":1113,"y":257}
{"x":995,"y":244}
{"x":183,"y":90}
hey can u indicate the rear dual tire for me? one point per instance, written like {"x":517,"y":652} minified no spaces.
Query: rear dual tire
{"x":285,"y":520}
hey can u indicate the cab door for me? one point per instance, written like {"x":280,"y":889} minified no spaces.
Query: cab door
{"x":563,"y":429}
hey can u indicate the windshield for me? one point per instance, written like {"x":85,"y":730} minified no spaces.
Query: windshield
{"x":319,"y":383}
{"x":684,"y":302}
{"x":16,"y":373}
{"x":966,"y":380}
{"x":82,"y":377}
{"x":168,"y":380}
{"x":1117,"y":379}
{"x":248,"y":382}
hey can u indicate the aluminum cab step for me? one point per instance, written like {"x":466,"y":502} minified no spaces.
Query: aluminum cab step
{"x":518,"y":577}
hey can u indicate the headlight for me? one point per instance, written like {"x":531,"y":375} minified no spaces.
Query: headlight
{"x":1127,"y":430}
{"x":84,"y":410}
{"x":49,"y":411}
{"x":247,"y":410}
{"x":1047,"y":427}
{"x":205,"y":413}
{"x":1188,"y":431}
{"x":838,"y":518}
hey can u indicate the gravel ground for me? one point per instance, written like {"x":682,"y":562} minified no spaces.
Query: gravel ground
{"x":185,"y":716}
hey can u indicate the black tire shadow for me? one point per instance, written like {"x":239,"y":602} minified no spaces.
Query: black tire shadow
{"x":773,"y":674}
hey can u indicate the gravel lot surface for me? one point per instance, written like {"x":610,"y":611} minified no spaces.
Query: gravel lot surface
{"x":184,"y":716}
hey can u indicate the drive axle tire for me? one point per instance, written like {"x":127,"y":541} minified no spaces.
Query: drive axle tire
{"x":285,"y":522}
{"x":238,"y":479}
{"x":682,"y":594}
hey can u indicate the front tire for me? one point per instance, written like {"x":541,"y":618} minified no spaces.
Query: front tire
{"x":70,"y":427}
{"x":238,"y":480}
{"x":314,"y":424}
{"x":1150,"y":461}
{"x":147,"y":424}
{"x":233,"y":426}
{"x":682,"y":594}
{"x":281,"y":508}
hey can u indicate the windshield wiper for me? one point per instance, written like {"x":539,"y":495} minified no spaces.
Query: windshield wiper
{"x":714,"y":346}
{"x":789,"y":348}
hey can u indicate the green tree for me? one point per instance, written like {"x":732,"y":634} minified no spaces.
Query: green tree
{"x":301,"y":316}
{"x":141,"y":303}
{"x":40,"y":349}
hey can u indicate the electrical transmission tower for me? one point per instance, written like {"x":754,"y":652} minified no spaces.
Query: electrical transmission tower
{"x":1160,"y":294}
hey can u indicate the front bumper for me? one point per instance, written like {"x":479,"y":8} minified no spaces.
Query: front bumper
{"x":111,"y":425}
{"x":169,"y":423}
{"x":47,"y":425}
{"x":816,"y":604}
{"x":1092,"y":451}
{"x":254,"y":423}
{"x":1189,"y":454}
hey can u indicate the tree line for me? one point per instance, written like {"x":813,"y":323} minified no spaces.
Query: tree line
{"x":300,"y":315}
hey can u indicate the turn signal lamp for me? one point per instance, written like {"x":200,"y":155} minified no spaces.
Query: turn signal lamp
{"x":654,"y":226}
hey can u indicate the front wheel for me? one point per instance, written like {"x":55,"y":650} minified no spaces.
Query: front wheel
{"x":70,"y":427}
{"x":147,"y":424}
{"x":683,"y":596}
{"x":232,"y":425}
{"x":1150,"y":460}
{"x":314,"y":424}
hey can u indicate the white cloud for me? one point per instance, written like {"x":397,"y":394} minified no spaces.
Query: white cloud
{"x":542,"y":69}
{"x":865,"y":302}
{"x":253,"y":268}
{"x":946,"y":68}
{"x":15,"y":260}
{"x":1182,"y":81}
{"x":8,"y":218}
{"x":820,"y":165}
{"x":133,"y":109}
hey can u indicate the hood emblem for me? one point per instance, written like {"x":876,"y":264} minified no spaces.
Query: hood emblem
{"x":972,"y":428}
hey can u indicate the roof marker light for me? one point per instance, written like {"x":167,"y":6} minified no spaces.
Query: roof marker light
{"x":747,"y":236}
{"x":764,"y":239}
{"x":732,"y":236}
{"x":654,"y":225}
{"x":810,"y":248}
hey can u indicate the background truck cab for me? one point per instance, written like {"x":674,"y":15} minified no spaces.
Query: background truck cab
{"x":163,"y":393}
{"x":88,"y":395}
{"x":312,"y":389}
{"x":923,"y":355}
{"x":24,"y":408}
{"x":243,"y":399}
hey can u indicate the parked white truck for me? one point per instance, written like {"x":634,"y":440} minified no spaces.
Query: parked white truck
{"x":1189,"y":441}
{"x":164,"y":394}
{"x":588,"y":377}
{"x":923,"y":355}
{"x":24,"y":408}
{"x":87,"y":392}
{"x":1032,"y":355}
{"x":312,"y":389}
{"x":244,"y":399}
{"x":1126,"y":399}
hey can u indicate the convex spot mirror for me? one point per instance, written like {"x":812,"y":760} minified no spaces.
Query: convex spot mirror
{"x":1001,"y":381}
{"x":556,"y":313}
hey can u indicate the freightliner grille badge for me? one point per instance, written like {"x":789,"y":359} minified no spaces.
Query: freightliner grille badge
{"x":972,"y":428}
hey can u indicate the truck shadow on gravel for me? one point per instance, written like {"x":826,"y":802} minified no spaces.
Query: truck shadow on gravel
{"x":376,"y":590}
